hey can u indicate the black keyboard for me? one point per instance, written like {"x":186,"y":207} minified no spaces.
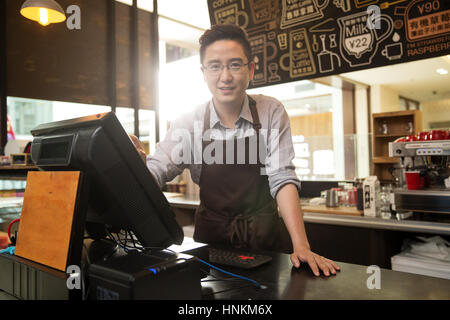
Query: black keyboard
{"x":244,"y":260}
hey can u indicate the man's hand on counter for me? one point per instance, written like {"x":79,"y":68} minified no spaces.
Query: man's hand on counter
{"x":289,"y":204}
{"x":315,"y":261}
{"x":138,"y":147}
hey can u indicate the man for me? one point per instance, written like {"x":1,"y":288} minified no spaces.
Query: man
{"x":239,"y":197}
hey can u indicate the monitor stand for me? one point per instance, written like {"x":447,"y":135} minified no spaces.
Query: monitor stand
{"x":100,"y":250}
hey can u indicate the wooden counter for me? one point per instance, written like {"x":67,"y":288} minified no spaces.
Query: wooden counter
{"x":347,"y":211}
{"x":340,"y":216}
{"x":283,"y":282}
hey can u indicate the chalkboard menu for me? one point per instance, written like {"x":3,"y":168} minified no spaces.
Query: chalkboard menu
{"x":303,"y":39}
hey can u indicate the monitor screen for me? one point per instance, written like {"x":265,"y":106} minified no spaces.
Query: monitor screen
{"x":123,"y":194}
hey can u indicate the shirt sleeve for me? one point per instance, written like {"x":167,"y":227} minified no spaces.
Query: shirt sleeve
{"x":172,"y":155}
{"x":280,"y":152}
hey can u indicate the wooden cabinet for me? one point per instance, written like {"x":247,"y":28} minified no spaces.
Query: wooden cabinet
{"x":387,"y":127}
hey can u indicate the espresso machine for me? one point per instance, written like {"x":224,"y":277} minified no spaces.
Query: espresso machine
{"x":432,"y":160}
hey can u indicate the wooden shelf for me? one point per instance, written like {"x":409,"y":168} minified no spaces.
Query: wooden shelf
{"x":348,"y":211}
{"x":399,"y":124}
{"x":16,"y":172}
{"x":394,"y":114}
{"x":392,"y":135}
{"x":384,"y":160}
{"x":18,"y":167}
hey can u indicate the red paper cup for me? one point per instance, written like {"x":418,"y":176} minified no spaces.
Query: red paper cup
{"x":422,"y":136}
{"x":413,"y":180}
{"x":410,"y":138}
{"x":438,"y":135}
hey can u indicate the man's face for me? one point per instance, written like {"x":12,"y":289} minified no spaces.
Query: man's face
{"x":227,"y":86}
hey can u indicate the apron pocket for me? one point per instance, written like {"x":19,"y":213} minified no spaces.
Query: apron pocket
{"x":262,"y":232}
{"x":211,"y":228}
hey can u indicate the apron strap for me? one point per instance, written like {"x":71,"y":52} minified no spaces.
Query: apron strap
{"x":253,"y":111}
{"x":206,"y":122}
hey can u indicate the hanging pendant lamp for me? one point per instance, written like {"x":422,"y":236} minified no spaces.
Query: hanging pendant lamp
{"x":43,"y":11}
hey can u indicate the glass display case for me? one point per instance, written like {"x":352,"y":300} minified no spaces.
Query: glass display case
{"x":12,"y":188}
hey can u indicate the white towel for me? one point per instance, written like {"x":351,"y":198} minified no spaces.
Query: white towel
{"x":434,"y":247}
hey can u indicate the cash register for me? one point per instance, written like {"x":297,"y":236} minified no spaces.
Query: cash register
{"x":124,"y":216}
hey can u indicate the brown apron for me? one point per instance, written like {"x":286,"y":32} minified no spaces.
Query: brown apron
{"x":236,"y":207}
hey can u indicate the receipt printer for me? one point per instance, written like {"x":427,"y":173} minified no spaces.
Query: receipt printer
{"x":140,"y":276}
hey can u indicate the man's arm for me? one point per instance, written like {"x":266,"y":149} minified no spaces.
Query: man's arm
{"x":284,"y":186}
{"x":160,"y":164}
{"x":290,"y":210}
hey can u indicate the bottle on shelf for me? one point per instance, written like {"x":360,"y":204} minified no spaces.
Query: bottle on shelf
{"x":384,"y":128}
{"x":385,"y":203}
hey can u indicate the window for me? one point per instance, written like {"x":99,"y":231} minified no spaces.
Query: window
{"x":316,"y":118}
{"x":180,"y":73}
{"x":26,"y":114}
{"x":147,"y":130}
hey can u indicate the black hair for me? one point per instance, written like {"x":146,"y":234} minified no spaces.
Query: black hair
{"x":225,"y":32}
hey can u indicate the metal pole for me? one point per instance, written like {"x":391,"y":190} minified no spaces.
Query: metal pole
{"x":155,"y":57}
{"x":135,"y":66}
{"x":3,"y":78}
{"x":112,"y":54}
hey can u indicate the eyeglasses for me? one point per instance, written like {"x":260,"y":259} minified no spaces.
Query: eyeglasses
{"x":216,"y":68}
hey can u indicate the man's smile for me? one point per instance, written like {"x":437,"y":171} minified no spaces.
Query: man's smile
{"x":226,"y":89}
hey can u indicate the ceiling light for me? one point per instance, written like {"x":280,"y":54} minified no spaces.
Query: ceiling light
{"x":441,"y":71}
{"x":43,"y":11}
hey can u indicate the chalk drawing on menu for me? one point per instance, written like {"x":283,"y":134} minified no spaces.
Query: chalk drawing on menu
{"x":231,"y":15}
{"x":259,"y":46}
{"x":273,"y":70}
{"x":282,"y":40}
{"x":424,"y":19}
{"x":344,"y":5}
{"x":327,"y":25}
{"x":393,"y":51}
{"x":263,"y":10}
{"x":358,"y":43}
{"x":301,"y":62}
{"x":364,"y":3}
{"x":387,"y":4}
{"x":326,"y":58}
{"x":297,"y":12}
